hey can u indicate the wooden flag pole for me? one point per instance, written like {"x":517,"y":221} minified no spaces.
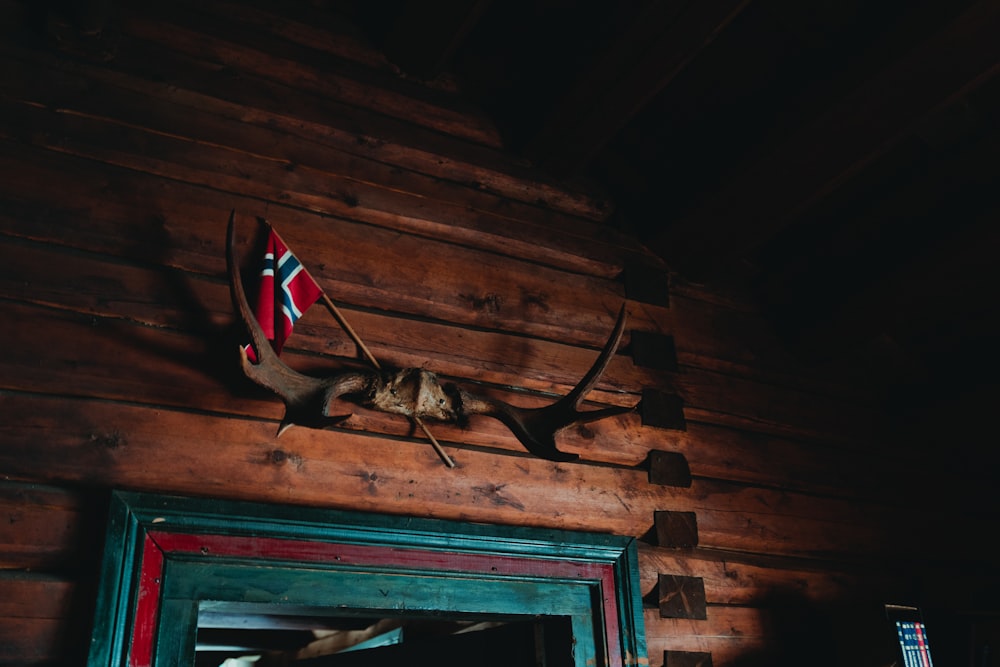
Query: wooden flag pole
{"x":337,"y":315}
{"x":342,"y":321}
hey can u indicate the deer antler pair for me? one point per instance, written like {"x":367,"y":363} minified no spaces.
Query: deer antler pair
{"x":412,"y":392}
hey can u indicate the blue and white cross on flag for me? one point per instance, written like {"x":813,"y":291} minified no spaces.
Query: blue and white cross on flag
{"x":286,"y":292}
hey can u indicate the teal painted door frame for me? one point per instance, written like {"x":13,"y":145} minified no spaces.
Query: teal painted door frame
{"x":166,"y":557}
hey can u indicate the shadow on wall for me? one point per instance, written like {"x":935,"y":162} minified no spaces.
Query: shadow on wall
{"x":803,"y":632}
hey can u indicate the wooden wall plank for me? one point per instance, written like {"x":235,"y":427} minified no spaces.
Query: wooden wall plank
{"x":738,"y":579}
{"x":311,"y":27}
{"x":29,"y":595}
{"x":32,"y":641}
{"x":41,"y":527}
{"x":44,"y":619}
{"x":94,"y":442}
{"x":364,"y":188}
{"x":114,"y":360}
{"x":180,"y":306}
{"x":780,"y":634}
{"x":381,"y":92}
{"x":726,"y":339}
{"x":360,"y":265}
{"x":720,"y":393}
{"x":201,"y":86}
{"x":119,"y":178}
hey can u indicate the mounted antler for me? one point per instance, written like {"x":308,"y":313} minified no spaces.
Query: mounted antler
{"x":307,"y":399}
{"x":412,"y":392}
{"x":536,"y":427}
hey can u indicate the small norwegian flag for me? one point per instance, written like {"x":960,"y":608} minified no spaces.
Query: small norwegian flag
{"x":286,"y":292}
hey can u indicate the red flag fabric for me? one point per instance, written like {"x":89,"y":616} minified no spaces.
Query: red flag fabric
{"x":286,"y":292}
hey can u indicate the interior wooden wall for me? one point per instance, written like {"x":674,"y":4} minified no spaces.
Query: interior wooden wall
{"x":122,"y":156}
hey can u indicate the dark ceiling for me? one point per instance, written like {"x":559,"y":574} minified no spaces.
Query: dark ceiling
{"x":836,"y":159}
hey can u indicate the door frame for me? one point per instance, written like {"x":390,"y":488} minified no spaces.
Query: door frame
{"x":167,"y":556}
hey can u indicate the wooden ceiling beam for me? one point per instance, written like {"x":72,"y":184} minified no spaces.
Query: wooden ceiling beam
{"x":825,"y":154}
{"x":659,"y":44}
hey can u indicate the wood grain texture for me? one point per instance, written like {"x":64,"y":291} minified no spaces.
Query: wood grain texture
{"x":444,"y":252}
{"x":43,"y":526}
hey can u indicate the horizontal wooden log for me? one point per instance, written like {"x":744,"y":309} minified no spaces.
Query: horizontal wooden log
{"x":697,"y":392}
{"x":771,"y":636}
{"x":802,"y":464}
{"x":173,"y":299}
{"x":359,"y":187}
{"x":742,"y":579}
{"x":348,"y":45}
{"x":118,"y":444}
{"x":769,"y":413}
{"x":240,"y":172}
{"x":781,"y":410}
{"x":203,"y":86}
{"x":192,"y":303}
{"x":727,"y":646}
{"x":44,"y":527}
{"x":729,"y":338}
{"x":113,"y":359}
{"x":33,"y":641}
{"x":30,"y":595}
{"x":45,"y":619}
{"x":305,"y":25}
{"x":732,"y":455}
{"x":778,"y":633}
{"x":273,"y":59}
{"x":354,"y":263}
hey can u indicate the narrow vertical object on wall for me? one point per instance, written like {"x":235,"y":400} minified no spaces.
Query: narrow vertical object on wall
{"x":662,"y":410}
{"x":668,"y":468}
{"x":682,"y":597}
{"x":687,"y":659}
{"x":676,"y":529}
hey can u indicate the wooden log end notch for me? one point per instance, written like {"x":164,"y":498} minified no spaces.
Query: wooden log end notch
{"x":682,"y":597}
{"x":662,"y":410}
{"x":653,"y":350}
{"x":668,"y":468}
{"x":676,"y":530}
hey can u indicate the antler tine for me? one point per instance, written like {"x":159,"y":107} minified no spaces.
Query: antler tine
{"x":307,"y":399}
{"x":536,"y":427}
{"x":573,"y":398}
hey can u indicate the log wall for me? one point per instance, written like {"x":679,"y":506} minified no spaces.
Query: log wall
{"x":122,"y":157}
